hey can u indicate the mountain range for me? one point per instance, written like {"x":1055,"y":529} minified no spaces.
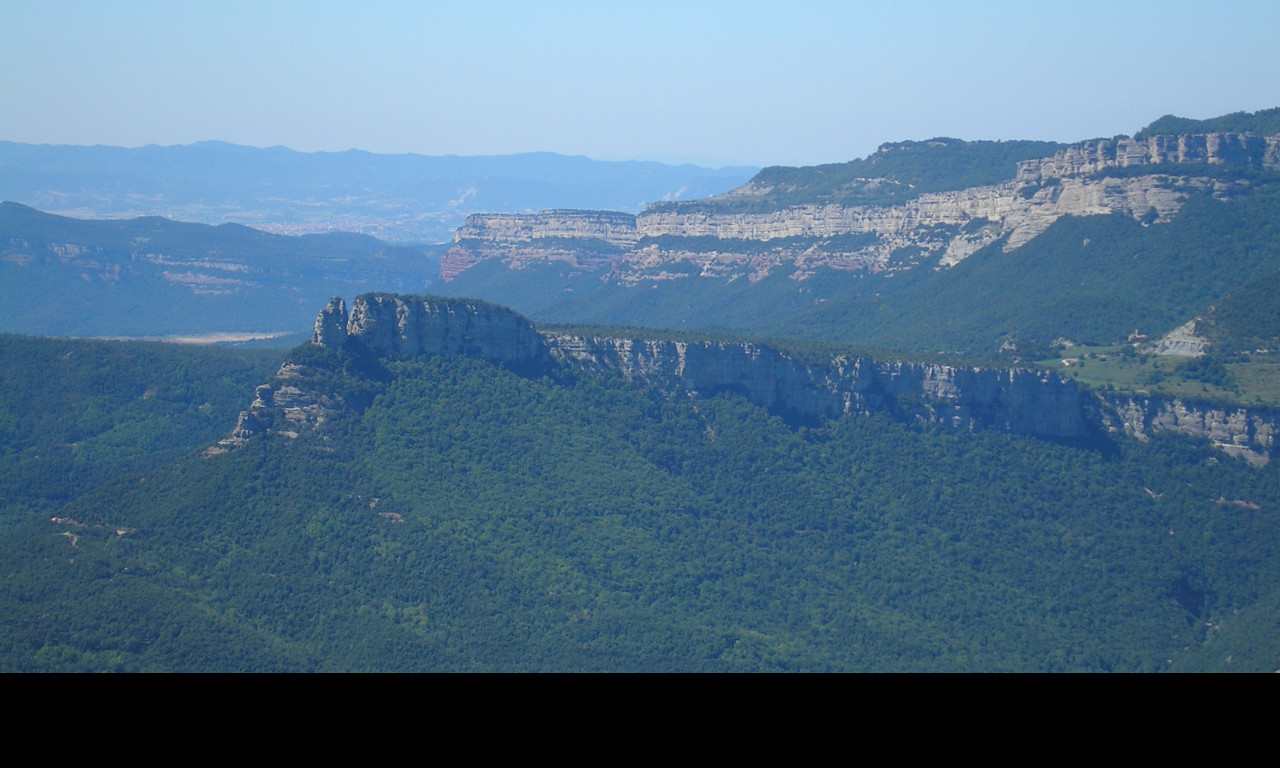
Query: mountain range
{"x":969,"y":248}
{"x":155,"y":278}
{"x":400,"y":198}
{"x":435,"y":486}
{"x":780,"y":473}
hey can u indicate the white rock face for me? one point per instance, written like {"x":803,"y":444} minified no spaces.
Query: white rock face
{"x":611,"y":227}
{"x":1016,"y":401}
{"x":1249,"y":434}
{"x":948,"y":225}
{"x":331,"y":324}
{"x":1181,"y":341}
{"x":1240,"y":149}
{"x":287,"y":406}
{"x":1011,"y":400}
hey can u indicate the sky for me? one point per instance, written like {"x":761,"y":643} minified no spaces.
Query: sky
{"x":715,"y":83}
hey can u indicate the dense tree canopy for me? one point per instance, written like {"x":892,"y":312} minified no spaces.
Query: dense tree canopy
{"x":473,"y":519}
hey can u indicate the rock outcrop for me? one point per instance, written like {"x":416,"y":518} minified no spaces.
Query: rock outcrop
{"x":288,"y":405}
{"x":1016,"y":401}
{"x":1098,"y":155}
{"x":331,"y":324}
{"x":398,"y":327}
{"x":942,"y":227}
{"x":1041,"y":403}
{"x":301,"y":396}
{"x":1246,"y":433}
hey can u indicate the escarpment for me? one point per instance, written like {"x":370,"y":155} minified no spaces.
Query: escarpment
{"x":607,"y":226}
{"x":314,"y":383}
{"x":339,"y":370}
{"x":1246,"y":433}
{"x":1016,"y":401}
{"x":399,"y":327}
{"x":1098,"y":155}
{"x":1148,"y":180}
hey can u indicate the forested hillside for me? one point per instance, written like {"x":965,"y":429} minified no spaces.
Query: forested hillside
{"x":1089,"y":279}
{"x":154,"y":277}
{"x":895,"y":173}
{"x":1265,"y":122}
{"x":436,"y":484}
{"x":472,"y":519}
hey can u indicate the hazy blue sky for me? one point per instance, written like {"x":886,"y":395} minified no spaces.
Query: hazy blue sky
{"x":712,"y":82}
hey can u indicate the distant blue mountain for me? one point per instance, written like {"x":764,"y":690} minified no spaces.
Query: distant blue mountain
{"x":401,"y":198}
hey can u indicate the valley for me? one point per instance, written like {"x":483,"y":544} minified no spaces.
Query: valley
{"x":404,"y":198}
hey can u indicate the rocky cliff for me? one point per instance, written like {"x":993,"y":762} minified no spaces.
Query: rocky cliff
{"x":314,"y":383}
{"x":1098,"y":155}
{"x":302,"y":395}
{"x":1016,"y":401}
{"x":398,"y":327}
{"x":1246,"y":433}
{"x":295,"y":400}
{"x":608,"y":226}
{"x":941,"y":227}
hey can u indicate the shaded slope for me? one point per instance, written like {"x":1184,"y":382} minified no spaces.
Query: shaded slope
{"x":157,"y":277}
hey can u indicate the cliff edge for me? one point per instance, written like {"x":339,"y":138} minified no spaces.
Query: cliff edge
{"x":1148,"y":180}
{"x":350,"y":347}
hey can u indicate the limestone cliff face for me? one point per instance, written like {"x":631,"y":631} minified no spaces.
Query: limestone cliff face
{"x":948,"y":226}
{"x":1249,"y":434}
{"x":609,"y":226}
{"x":942,"y":223}
{"x":301,"y":397}
{"x":590,"y":240}
{"x":1015,"y":401}
{"x":331,"y":324}
{"x":1238,"y":149}
{"x":399,"y":327}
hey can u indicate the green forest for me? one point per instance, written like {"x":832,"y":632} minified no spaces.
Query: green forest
{"x":1091,"y":280}
{"x":1265,"y":122}
{"x":446,"y":514}
{"x":465,"y":518}
{"x":895,"y":173}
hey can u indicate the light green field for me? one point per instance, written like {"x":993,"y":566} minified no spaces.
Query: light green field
{"x":1257,"y":376}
